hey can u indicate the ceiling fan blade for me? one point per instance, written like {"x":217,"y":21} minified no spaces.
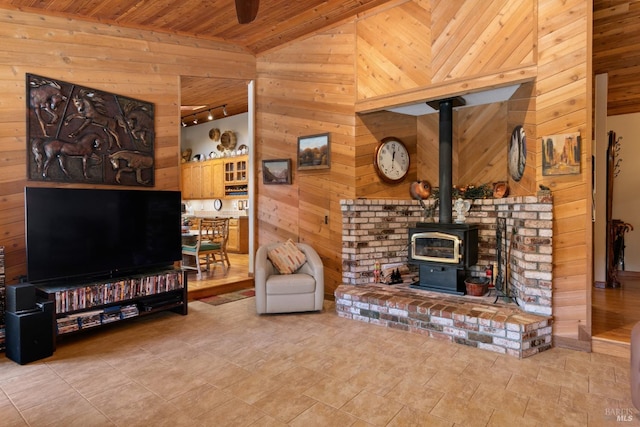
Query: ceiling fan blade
{"x":247,"y":10}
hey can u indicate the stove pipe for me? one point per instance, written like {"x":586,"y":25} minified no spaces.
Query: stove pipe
{"x":445,"y":150}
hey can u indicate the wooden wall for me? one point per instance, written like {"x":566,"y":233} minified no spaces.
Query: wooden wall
{"x":307,"y":88}
{"x":563,"y":105}
{"x":139,"y":64}
{"x":410,"y":51}
{"x":616,"y":51}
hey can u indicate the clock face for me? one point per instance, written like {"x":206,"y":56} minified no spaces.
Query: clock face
{"x":391,"y":160}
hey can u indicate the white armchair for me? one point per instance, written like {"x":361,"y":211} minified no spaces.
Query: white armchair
{"x":300,"y":291}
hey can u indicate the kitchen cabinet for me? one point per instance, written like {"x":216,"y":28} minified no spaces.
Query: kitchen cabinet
{"x":191,"y":180}
{"x":236,"y":178}
{"x":238,"y":235}
{"x":203,"y":180}
{"x":212,"y":185}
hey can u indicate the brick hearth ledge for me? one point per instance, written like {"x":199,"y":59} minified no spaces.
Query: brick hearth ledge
{"x":469,"y":321}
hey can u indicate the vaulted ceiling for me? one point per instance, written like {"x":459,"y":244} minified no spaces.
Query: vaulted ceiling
{"x":277,"y":22}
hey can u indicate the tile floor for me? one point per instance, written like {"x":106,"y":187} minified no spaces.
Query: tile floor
{"x":226,"y":366}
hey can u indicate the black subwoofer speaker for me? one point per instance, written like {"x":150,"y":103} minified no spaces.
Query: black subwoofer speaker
{"x":29,"y":334}
{"x":20,"y":297}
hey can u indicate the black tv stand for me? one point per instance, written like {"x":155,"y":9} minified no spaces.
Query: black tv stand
{"x":81,"y":306}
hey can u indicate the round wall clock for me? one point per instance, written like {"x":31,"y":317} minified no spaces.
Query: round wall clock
{"x":517,"y":153}
{"x":217,"y":204}
{"x":391,"y":160}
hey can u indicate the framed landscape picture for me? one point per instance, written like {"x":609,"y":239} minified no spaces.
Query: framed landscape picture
{"x":276,"y":171}
{"x":313,"y":152}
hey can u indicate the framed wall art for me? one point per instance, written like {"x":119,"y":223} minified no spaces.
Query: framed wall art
{"x":561,"y":154}
{"x":83,"y":135}
{"x":276,"y":171}
{"x":314,"y":152}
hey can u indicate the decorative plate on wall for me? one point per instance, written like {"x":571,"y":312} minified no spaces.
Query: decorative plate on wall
{"x":517,"y":153}
{"x":217,"y":204}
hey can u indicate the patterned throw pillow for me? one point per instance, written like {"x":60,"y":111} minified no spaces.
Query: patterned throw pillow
{"x":287,"y":258}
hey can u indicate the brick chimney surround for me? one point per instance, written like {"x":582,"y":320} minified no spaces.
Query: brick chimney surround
{"x":378,"y":230}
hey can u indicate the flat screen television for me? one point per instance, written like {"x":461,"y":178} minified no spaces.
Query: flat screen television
{"x":90,"y":233}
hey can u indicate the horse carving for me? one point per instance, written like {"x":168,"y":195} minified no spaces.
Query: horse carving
{"x":91,"y":109}
{"x":139,"y":119}
{"x":45,"y":95}
{"x":135,"y":162}
{"x":46,"y":150}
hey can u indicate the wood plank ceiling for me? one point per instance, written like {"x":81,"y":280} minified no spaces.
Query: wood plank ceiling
{"x":278,"y":22}
{"x":616,"y":51}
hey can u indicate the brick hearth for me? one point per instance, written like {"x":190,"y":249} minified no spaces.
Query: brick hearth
{"x":470,"y":321}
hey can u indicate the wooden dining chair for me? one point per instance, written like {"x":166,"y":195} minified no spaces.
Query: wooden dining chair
{"x":210,"y":246}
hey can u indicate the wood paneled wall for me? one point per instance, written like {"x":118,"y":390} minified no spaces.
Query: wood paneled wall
{"x":308,"y":88}
{"x":370,"y":129}
{"x":616,"y":51}
{"x":563,"y":105}
{"x":139,"y":64}
{"x":455,"y":47}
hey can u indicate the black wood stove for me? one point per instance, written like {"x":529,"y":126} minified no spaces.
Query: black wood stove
{"x":444,"y":250}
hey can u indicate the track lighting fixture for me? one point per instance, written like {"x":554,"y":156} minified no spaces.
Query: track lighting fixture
{"x":210,"y":116}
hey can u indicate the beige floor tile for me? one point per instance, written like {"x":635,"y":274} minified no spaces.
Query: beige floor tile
{"x":298,"y":379}
{"x":35,"y":387}
{"x":500,"y":399}
{"x":169,"y":382}
{"x":285,"y":404}
{"x":415,"y":395}
{"x":65,"y":411}
{"x":267,"y":421}
{"x":494,"y":375}
{"x":451,"y":382}
{"x":462,"y":411}
{"x":591,"y":369}
{"x":201,"y":399}
{"x":232,"y":413}
{"x":532,"y":388}
{"x":333,"y":392}
{"x":375,"y":380}
{"x":9,"y":414}
{"x":113,"y":400}
{"x":375,"y":410}
{"x":408,"y":417}
{"x":555,"y":414}
{"x":253,"y":387}
{"x":322,"y":415}
{"x":225,"y":375}
{"x":505,"y":418}
{"x":609,"y":389}
{"x":226,"y":366}
{"x":564,"y":378}
{"x":446,"y":361}
{"x":528,"y":367}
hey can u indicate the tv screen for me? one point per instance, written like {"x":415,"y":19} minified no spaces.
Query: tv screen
{"x":72,"y":233}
